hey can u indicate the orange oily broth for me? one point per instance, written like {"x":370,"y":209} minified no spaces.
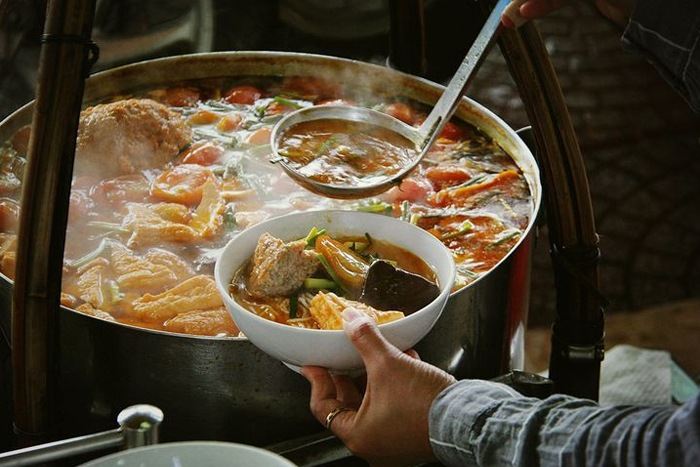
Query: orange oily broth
{"x":277,"y":308}
{"x":247,"y":184}
{"x":345,"y":153}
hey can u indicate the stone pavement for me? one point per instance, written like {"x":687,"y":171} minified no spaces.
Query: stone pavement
{"x":640,"y":144}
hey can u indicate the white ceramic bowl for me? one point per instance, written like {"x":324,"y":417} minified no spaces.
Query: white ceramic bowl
{"x":192,"y":454}
{"x":332,"y":349}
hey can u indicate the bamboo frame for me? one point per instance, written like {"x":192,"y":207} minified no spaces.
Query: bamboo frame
{"x":44,"y":216}
{"x":577,"y":340}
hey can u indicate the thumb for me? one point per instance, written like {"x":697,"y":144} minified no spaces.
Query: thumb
{"x":365,"y":336}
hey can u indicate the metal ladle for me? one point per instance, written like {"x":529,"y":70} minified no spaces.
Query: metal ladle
{"x":423,"y":136}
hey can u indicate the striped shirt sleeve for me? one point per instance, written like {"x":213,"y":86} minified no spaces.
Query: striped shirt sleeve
{"x":480,"y":423}
{"x":667,"y":32}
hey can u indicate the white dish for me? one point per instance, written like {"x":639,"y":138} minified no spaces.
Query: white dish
{"x":332,"y":349}
{"x":192,"y":454}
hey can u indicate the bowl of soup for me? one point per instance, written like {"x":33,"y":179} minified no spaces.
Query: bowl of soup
{"x":286,"y":281}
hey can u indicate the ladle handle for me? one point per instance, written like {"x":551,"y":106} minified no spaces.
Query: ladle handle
{"x":447,"y":104}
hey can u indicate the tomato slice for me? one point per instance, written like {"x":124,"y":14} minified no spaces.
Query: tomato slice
{"x":118,"y":190}
{"x":181,"y":184}
{"x":243,"y":95}
{"x":451,"y":131}
{"x":181,"y":96}
{"x":403,"y":112}
{"x":309,"y":86}
{"x":202,"y":153}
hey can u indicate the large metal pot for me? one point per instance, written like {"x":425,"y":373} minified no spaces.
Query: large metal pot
{"x":225,"y":388}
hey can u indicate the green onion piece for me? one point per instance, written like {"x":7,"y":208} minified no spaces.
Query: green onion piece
{"x":405,"y":206}
{"x":287,"y":102}
{"x":94,"y":254}
{"x":314,"y":233}
{"x":470,"y":182}
{"x":230,"y":222}
{"x":293,"y":306}
{"x":369,"y":239}
{"x":113,"y":226}
{"x":318,"y":283}
{"x":357,"y":247}
{"x":464,"y":228}
{"x":332,"y":273}
{"x":501,"y":241}
{"x":327,"y":144}
{"x":415,"y":217}
{"x":376,"y":207}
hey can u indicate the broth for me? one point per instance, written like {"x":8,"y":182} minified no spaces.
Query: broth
{"x":345,"y":153}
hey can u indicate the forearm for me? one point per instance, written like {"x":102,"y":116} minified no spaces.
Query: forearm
{"x":481,"y":423}
{"x":668,"y":33}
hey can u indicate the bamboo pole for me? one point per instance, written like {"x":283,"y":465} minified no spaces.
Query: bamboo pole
{"x":577,"y":340}
{"x":45,"y":199}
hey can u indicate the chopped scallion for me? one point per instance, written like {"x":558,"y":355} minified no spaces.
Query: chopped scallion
{"x":502,"y":240}
{"x":93,"y":255}
{"x":331,"y":273}
{"x":113,"y":226}
{"x":314,"y":233}
{"x":376,"y":207}
{"x":405,"y":210}
{"x":465,"y":227}
{"x":293,"y":306}
{"x":287,"y":102}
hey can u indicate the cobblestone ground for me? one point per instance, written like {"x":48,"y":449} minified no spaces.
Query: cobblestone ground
{"x":640,"y":144}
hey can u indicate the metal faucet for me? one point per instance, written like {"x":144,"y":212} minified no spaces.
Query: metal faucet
{"x":139,"y":425}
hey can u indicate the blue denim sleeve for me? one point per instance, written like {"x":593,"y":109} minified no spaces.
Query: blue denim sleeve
{"x":479,"y":423}
{"x":667,"y":33}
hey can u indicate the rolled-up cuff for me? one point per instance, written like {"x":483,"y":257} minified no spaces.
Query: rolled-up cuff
{"x":456,"y":416}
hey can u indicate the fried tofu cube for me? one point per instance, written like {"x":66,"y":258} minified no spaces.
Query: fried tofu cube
{"x":279,"y":268}
{"x":88,"y":309}
{"x":326,"y":308}
{"x":203,"y":323}
{"x":134,"y":272}
{"x":153,"y":224}
{"x":196,"y":293}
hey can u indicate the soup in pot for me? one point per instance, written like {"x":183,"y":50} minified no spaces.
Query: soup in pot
{"x":165,"y":177}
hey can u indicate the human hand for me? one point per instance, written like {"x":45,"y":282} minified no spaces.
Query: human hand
{"x":521,"y":11}
{"x":389,"y":425}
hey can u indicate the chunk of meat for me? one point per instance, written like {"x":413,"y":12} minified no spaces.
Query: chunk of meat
{"x":279,"y":268}
{"x":196,"y":293}
{"x":128,"y":136}
{"x":327,"y":307}
{"x":154,"y":224}
{"x":203,"y":323}
{"x":134,"y":272}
